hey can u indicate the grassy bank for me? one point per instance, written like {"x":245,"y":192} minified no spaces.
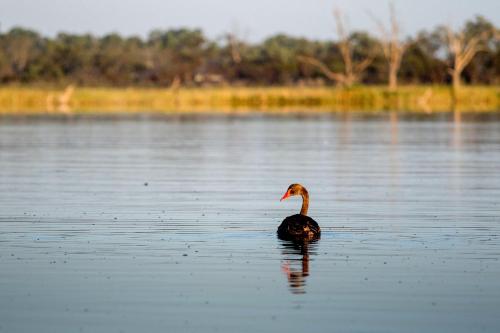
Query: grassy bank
{"x":32,"y":100}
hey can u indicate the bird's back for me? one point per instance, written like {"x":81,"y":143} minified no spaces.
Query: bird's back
{"x":299,"y":227}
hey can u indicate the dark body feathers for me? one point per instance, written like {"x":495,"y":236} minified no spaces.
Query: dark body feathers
{"x":299,"y":227}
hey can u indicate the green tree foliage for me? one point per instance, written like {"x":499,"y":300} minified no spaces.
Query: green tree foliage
{"x":422,"y":62}
{"x":186,"y":56}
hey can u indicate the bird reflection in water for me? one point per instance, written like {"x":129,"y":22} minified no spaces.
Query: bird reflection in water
{"x":295,"y":263}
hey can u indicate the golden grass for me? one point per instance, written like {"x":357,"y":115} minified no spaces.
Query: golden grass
{"x":33,"y":100}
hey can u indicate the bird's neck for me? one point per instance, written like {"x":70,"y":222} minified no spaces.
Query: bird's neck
{"x":305,"y":203}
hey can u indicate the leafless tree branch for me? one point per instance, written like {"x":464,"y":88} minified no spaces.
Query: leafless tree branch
{"x":352,"y":70}
{"x":337,"y":77}
{"x":392,"y":47}
{"x":462,"y":52}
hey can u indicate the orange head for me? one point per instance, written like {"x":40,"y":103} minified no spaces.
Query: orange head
{"x":294,"y":189}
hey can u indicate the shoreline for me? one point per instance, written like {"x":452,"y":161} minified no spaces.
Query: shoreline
{"x":26,"y":100}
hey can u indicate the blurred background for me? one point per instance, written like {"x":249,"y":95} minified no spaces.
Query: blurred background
{"x":162,"y":44}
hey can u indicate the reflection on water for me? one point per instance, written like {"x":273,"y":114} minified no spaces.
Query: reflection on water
{"x":295,"y":263}
{"x":168,"y":224}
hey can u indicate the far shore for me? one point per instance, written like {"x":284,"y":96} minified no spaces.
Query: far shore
{"x":23,"y":100}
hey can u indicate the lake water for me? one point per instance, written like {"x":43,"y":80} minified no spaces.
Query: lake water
{"x":167,"y":224}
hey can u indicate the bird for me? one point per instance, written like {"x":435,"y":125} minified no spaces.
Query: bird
{"x":299,"y":227}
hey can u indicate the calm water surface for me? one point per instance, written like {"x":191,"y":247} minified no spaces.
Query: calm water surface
{"x":168,"y":224}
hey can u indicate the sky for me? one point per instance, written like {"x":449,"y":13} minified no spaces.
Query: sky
{"x":250,"y":20}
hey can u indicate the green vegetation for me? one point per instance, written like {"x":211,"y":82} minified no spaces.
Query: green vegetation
{"x":19,"y":100}
{"x":186,"y":57}
{"x":182,"y":70}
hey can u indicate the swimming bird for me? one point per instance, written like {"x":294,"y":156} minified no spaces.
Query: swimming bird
{"x":299,"y":227}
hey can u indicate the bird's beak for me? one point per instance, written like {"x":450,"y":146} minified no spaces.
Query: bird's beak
{"x":286,"y":195}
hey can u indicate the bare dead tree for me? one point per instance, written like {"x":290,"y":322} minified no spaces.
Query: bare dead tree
{"x":235,"y":42}
{"x":352,"y":69}
{"x":392,"y":47}
{"x":234,"y":46}
{"x":462,"y":51}
{"x":331,"y":75}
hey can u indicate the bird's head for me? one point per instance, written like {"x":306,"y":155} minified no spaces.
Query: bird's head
{"x":294,"y":189}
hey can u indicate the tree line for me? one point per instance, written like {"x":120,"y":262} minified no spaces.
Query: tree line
{"x":187,"y":57}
